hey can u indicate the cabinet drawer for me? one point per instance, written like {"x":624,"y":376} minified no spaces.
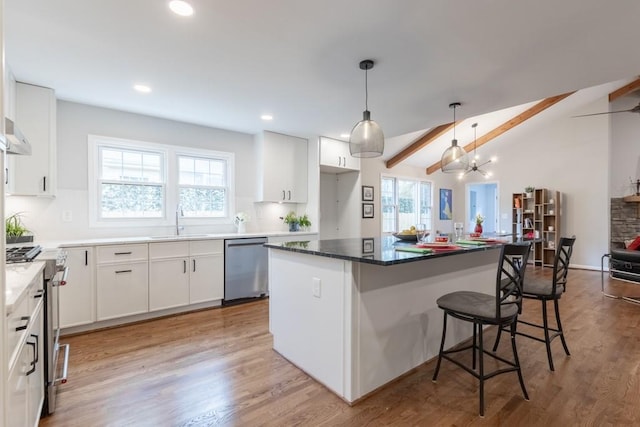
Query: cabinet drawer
{"x":17,"y":325}
{"x":205,"y":247}
{"x":168,"y":250}
{"x":122,"y":253}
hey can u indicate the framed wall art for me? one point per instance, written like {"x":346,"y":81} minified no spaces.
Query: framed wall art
{"x":367,"y":193}
{"x":445,"y":203}
{"x":367,"y":210}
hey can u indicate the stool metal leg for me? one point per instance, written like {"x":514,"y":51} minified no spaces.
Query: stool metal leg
{"x":444,"y":334}
{"x":547,"y":340}
{"x":480,"y":366}
{"x":560,"y":330}
{"x":517,"y":360}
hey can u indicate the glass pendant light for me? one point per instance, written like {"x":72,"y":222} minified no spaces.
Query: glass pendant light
{"x":454,"y":159}
{"x":367,"y":139}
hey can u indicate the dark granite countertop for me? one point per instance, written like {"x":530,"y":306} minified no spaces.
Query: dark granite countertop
{"x":383,"y":249}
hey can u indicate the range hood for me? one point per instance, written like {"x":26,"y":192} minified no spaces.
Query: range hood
{"x":16,"y":142}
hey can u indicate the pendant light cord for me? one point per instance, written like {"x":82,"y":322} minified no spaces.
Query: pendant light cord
{"x":454,"y":122}
{"x":366,"y":90}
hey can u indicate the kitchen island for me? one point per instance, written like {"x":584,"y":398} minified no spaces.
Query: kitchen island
{"x":356,"y":313}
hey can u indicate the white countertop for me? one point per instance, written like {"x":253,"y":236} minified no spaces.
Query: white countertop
{"x":167,"y":238}
{"x":18,"y":276}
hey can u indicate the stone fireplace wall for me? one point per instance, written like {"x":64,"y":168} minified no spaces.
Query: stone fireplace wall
{"x":625,"y":223}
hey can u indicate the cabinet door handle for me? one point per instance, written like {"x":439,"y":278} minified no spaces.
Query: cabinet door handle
{"x":344,"y":162}
{"x":123,"y":271}
{"x":289,"y":194}
{"x":36,"y":348}
{"x":122,"y":253}
{"x":33,"y":362}
{"x":184,"y":266}
{"x":39,"y":294}
{"x":339,"y":161}
{"x":283,"y":195}
{"x":44,"y":183}
{"x":6,"y":175}
{"x":23,"y":327}
{"x":86,"y":257}
{"x":194,"y":265}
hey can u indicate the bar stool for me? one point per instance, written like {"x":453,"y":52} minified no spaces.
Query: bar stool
{"x":543,"y":291}
{"x":482,"y":309}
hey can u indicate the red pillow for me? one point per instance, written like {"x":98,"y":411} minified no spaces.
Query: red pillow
{"x":635,"y":245}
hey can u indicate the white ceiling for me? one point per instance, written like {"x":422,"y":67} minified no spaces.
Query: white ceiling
{"x":298,"y":60}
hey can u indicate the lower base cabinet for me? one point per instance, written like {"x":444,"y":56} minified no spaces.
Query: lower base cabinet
{"x":25,"y":385}
{"x":77,"y":297}
{"x":122,"y":290}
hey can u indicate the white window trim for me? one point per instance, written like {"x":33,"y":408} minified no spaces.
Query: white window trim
{"x":409,"y":178}
{"x":171,"y":153}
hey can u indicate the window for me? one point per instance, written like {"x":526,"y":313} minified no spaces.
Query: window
{"x":141,"y":183}
{"x":202,"y":186}
{"x":405,"y":202}
{"x":131,"y":183}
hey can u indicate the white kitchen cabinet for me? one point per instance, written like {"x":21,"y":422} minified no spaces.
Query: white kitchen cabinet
{"x":25,"y":391}
{"x":122,"y":281}
{"x":206,"y":277}
{"x":281,"y":168}
{"x":35,"y":175}
{"x":77,"y":297}
{"x":9,"y":94}
{"x":168,"y":275}
{"x":335,"y":156}
{"x":182,"y":273}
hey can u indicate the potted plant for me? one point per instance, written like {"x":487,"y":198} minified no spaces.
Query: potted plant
{"x":479,"y":221}
{"x":529,"y":191}
{"x":295,"y":222}
{"x":15,"y":231}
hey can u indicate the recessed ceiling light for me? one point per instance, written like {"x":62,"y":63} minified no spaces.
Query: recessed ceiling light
{"x":180,"y":7}
{"x":266,"y":117}
{"x":345,"y":135}
{"x":142,"y":88}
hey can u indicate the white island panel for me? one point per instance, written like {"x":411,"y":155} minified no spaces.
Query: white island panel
{"x":309,"y":326}
{"x":398,"y":325}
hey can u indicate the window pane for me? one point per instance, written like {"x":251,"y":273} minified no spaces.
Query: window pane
{"x":388,"y":205}
{"x":131,"y":201}
{"x":407,"y":204}
{"x":203,"y":202}
{"x":132,"y":166}
{"x":425,"y":203}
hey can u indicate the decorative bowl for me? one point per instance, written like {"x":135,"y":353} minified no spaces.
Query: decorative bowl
{"x":475,"y":235}
{"x":406,"y":237}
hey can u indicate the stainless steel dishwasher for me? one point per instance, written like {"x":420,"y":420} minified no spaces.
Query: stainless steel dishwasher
{"x":246,"y":269}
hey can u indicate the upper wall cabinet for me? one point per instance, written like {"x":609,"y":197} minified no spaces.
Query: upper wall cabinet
{"x":35,"y":175}
{"x":335,"y":156}
{"x":281,"y":168}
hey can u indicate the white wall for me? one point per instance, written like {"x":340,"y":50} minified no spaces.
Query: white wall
{"x":625,"y":146}
{"x":43,"y":216}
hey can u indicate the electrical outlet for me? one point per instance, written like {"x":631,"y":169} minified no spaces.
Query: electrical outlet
{"x":67,"y":216}
{"x":317,"y":287}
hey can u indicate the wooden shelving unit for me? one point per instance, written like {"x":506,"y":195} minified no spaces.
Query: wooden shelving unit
{"x":537,"y":214}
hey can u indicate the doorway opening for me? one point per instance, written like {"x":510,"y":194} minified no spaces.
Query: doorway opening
{"x":483,"y":199}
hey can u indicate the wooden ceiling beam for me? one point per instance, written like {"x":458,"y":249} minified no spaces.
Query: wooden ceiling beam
{"x":419,"y":144}
{"x":510,"y":124}
{"x":628,"y":88}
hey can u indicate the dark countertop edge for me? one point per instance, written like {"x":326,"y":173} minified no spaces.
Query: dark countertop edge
{"x":412,"y":258}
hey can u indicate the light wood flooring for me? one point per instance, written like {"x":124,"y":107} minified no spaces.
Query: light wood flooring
{"x":217,"y":367}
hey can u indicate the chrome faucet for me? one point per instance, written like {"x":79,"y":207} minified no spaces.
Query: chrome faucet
{"x":179,"y":213}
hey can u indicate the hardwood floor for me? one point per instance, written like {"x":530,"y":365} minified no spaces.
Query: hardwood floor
{"x":217,"y":367}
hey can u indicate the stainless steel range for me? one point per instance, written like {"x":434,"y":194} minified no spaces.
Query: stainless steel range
{"x":55,"y":275}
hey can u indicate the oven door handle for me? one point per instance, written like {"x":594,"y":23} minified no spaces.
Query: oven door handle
{"x":65,"y":366}
{"x":60,"y":279}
